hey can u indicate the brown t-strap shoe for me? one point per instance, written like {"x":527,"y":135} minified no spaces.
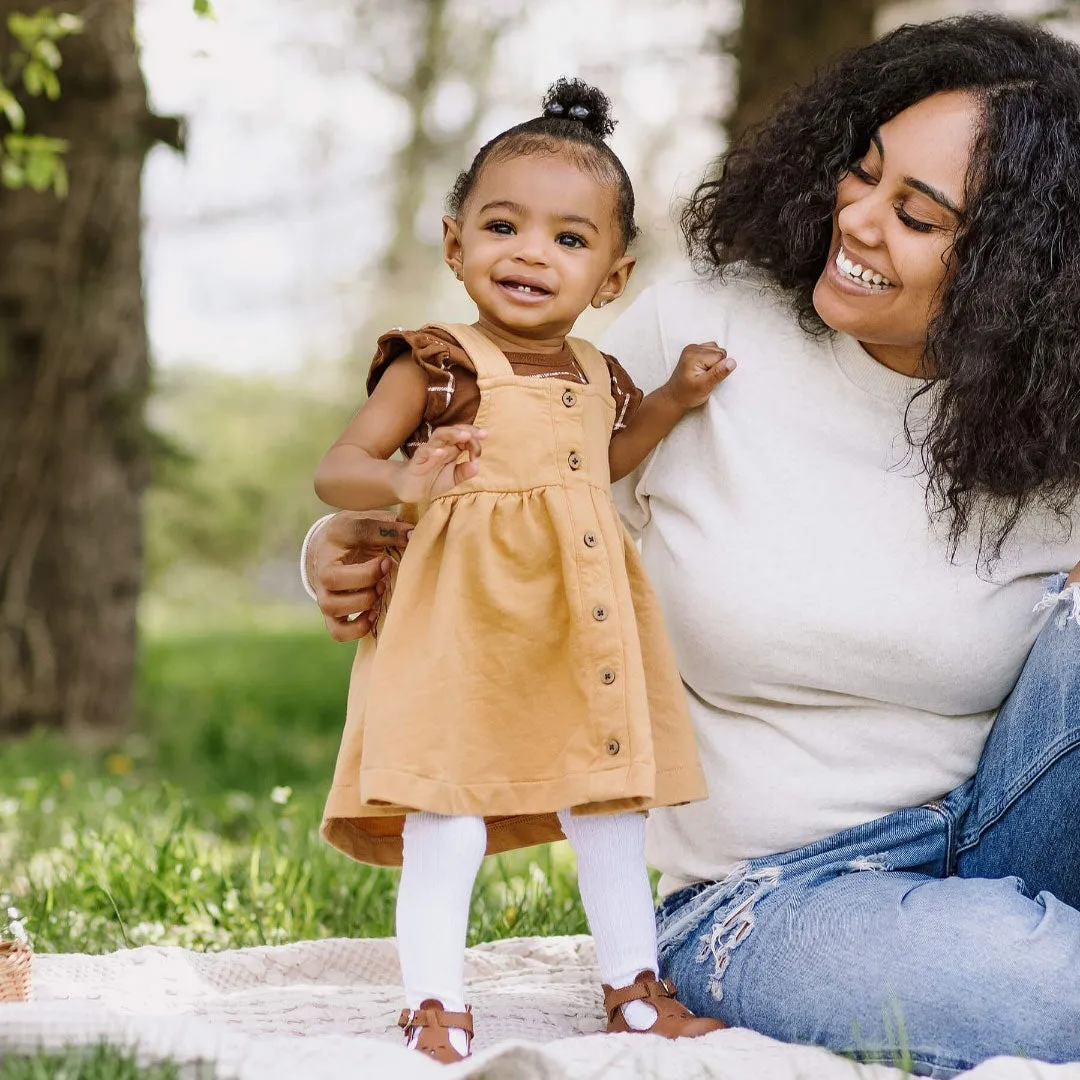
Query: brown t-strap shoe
{"x":673,"y":1020}
{"x":432,"y":1021}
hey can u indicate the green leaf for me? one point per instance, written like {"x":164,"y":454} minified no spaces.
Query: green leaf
{"x":67,"y":23}
{"x":12,"y":110}
{"x":47,"y":52}
{"x":51,"y":83}
{"x":205,"y":8}
{"x":40,"y":167}
{"x":25,"y":29}
{"x":11,"y":174}
{"x":33,"y":78}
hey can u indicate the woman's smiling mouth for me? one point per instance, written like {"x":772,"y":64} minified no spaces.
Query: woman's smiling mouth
{"x":846,"y":270}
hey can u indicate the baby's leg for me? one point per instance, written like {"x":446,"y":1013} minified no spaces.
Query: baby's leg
{"x":441,"y":858}
{"x":617,"y":897}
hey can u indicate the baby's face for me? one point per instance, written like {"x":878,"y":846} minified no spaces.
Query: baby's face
{"x":536,"y":243}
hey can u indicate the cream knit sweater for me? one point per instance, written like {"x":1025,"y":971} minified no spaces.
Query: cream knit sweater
{"x":837,"y":665}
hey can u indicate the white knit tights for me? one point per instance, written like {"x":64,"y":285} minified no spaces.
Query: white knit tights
{"x":440,"y":861}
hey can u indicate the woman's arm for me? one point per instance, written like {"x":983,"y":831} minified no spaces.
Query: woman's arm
{"x":1074,"y":577}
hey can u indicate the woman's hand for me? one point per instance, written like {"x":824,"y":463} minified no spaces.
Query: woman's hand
{"x":434,"y":468}
{"x":700,"y":370}
{"x":347,"y":566}
{"x":1074,"y":577}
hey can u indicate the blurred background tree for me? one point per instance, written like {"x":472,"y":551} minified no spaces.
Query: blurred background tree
{"x":304,"y":219}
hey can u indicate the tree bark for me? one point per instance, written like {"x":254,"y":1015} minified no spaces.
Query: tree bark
{"x":782,"y":43}
{"x":73,"y":381}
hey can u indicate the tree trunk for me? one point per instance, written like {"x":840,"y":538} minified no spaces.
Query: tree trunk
{"x":782,"y":43}
{"x":73,"y":380}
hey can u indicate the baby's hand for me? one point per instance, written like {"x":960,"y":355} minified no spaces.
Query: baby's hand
{"x":435,"y":469}
{"x":700,"y":370}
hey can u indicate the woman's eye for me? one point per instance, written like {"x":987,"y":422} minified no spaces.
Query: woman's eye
{"x":912,"y":223}
{"x":503,"y":228}
{"x":569,"y":239}
{"x":860,"y":173}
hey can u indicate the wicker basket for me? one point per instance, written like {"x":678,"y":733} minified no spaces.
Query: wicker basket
{"x":15,"y":965}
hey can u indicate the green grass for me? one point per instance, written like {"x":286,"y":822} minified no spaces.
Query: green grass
{"x":99,"y":1063}
{"x":173,"y":836}
{"x":176,"y":835}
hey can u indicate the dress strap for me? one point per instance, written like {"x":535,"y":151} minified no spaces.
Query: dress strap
{"x":591,"y":360}
{"x":487,"y":359}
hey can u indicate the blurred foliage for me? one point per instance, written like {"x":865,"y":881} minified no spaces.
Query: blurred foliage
{"x":96,"y":1063}
{"x":30,"y":160}
{"x":199,"y":828}
{"x":232,"y":487}
{"x":33,"y":160}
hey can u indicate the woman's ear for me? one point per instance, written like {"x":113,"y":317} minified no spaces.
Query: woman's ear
{"x":451,"y":239}
{"x":615,"y":282}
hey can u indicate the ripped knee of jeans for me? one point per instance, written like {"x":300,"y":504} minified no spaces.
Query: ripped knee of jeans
{"x":1064,"y":600}
{"x":732,"y":925}
{"x":867,"y":862}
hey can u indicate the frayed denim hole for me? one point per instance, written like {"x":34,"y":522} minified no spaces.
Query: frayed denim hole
{"x":734,"y":925}
{"x":1068,"y":599}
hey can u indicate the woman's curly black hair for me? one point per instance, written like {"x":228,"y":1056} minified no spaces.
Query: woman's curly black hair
{"x":1003,"y":430}
{"x":575,"y":122}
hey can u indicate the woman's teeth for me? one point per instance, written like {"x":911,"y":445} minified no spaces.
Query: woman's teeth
{"x":869,"y":278}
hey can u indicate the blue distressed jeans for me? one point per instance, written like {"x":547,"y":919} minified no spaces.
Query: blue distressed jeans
{"x":935,"y":937}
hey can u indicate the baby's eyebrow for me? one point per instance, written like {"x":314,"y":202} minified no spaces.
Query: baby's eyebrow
{"x":577,"y":219}
{"x":503,"y":204}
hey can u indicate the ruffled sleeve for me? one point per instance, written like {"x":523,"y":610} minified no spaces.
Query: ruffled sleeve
{"x":441,"y":358}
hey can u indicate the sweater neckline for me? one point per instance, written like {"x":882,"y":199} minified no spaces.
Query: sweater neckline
{"x":869,"y":375}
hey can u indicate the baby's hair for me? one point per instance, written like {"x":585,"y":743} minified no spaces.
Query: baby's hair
{"x":575,"y":122}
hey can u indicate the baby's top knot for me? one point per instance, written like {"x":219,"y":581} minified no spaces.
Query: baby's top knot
{"x":575,"y":100}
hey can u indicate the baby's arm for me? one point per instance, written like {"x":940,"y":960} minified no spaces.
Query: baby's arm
{"x":701,"y":368}
{"x":355,"y":473}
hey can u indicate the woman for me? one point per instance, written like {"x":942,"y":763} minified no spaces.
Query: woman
{"x":850,"y":541}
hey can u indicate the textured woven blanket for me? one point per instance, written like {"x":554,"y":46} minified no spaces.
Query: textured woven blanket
{"x":327,"y":1009}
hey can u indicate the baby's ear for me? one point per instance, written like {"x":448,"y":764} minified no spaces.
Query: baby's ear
{"x":615,"y":283}
{"x":451,"y":233}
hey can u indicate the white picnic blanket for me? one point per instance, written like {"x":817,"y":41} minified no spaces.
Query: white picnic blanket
{"x":322,"y":1010}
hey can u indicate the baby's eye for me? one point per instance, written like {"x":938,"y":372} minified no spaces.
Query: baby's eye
{"x":571,"y":240}
{"x":502,"y":228}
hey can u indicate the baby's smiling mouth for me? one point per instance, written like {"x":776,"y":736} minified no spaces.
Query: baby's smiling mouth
{"x":524,"y":287}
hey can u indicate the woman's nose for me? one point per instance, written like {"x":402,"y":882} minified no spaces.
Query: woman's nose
{"x":861,"y":219}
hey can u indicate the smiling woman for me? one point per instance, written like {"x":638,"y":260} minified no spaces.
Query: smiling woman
{"x":881,"y":661}
{"x":893,"y":230}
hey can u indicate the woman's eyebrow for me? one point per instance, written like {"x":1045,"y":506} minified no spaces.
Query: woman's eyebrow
{"x":929,"y":190}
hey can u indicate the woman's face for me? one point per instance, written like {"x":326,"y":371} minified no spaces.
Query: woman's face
{"x":897,"y":210}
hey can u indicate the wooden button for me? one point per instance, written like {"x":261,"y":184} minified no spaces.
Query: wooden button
{"x":607,"y":676}
{"x":574,"y":460}
{"x":612,"y":746}
{"x":599,"y":613}
{"x":591,"y":539}
{"x":569,"y":398}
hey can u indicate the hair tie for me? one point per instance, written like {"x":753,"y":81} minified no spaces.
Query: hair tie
{"x":575,"y":112}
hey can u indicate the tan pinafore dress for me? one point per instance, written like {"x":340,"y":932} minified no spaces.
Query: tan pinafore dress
{"x":522,"y":666}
